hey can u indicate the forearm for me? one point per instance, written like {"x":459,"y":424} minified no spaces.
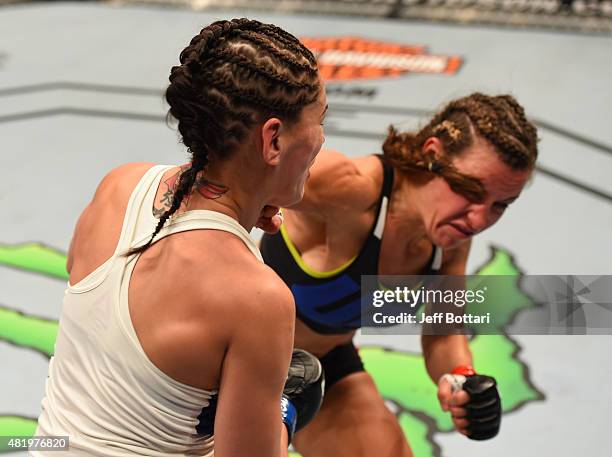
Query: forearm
{"x":284,"y":443}
{"x":443,"y":353}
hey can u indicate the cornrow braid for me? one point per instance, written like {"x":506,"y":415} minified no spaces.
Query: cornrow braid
{"x":305,"y":67}
{"x":225,"y":110}
{"x":245,"y":62}
{"x":500,"y":120}
{"x":207,"y":38}
{"x":291,"y":42}
{"x":504,"y":125}
{"x":231,"y":75}
{"x":252,"y":97}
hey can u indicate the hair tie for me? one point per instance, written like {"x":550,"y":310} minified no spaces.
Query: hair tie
{"x":450,"y":127}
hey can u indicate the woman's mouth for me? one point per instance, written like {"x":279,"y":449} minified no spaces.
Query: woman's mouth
{"x":462,"y":231}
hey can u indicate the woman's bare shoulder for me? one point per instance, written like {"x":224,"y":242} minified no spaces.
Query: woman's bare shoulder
{"x":238,"y":285}
{"x":340,"y":182}
{"x":125,"y":176}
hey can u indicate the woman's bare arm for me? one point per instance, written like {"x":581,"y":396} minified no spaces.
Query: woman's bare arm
{"x":253,"y":375}
{"x":442,"y":353}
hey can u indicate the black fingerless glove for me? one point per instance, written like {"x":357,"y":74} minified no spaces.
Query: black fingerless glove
{"x":484,"y":407}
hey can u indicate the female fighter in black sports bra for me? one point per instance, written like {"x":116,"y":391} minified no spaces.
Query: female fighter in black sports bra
{"x":412,"y":210}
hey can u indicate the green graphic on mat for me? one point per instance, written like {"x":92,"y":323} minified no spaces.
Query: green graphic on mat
{"x":414,"y":395}
{"x":17,"y":426}
{"x":35,"y":258}
{"x":28,"y":331}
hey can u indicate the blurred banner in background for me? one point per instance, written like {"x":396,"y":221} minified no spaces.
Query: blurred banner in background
{"x":591,"y":16}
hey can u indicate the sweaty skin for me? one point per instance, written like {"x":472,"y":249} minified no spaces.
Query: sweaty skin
{"x":331,"y":223}
{"x":328,"y":228}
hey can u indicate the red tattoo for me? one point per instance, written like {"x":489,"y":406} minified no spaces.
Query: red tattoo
{"x":211,"y":190}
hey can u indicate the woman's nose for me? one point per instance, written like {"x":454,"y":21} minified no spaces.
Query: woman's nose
{"x":478,"y":217}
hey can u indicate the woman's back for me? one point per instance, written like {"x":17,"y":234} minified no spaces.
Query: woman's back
{"x":141,"y":346}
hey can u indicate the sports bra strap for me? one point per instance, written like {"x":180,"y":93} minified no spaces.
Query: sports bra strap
{"x":387,"y":177}
{"x":204,"y":219}
{"x":383,"y":201}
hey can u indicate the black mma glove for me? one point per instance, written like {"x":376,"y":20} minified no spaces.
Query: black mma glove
{"x":484,"y":406}
{"x":303,"y":392}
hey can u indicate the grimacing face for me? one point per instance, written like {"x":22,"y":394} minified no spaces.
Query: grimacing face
{"x":450,"y":218}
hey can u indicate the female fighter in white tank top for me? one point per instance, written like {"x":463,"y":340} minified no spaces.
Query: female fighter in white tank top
{"x":187,"y":338}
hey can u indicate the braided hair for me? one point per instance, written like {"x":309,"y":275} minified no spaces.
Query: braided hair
{"x":233,"y":75}
{"x":500,"y":120}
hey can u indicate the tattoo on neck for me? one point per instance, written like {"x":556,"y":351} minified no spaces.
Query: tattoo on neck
{"x":210,"y":189}
{"x":165,"y":201}
{"x":205,"y":187}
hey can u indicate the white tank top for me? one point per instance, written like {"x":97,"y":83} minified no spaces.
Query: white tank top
{"x":102,"y":390}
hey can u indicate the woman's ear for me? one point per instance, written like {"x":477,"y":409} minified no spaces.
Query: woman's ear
{"x":433,"y":148}
{"x":270,"y":132}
